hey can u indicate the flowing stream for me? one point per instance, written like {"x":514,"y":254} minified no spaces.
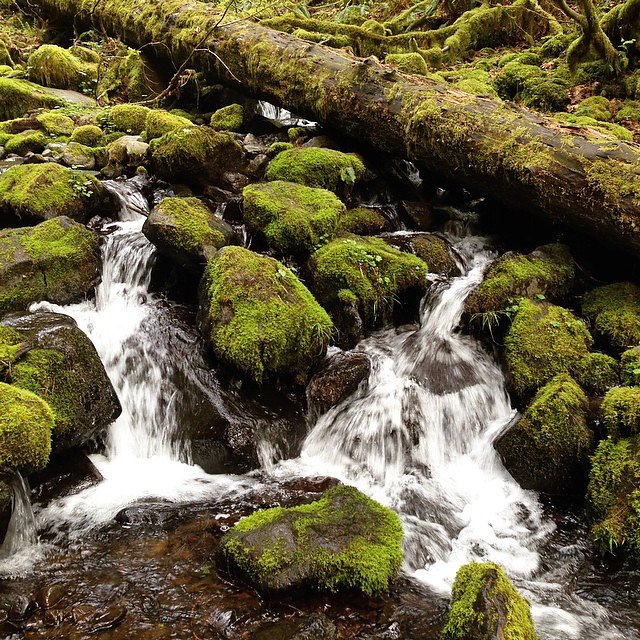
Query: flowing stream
{"x":417,"y":437}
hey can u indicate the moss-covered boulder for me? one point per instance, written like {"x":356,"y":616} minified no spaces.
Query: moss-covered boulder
{"x":25,"y":429}
{"x":159,"y":122}
{"x":55,"y":124}
{"x":78,"y":156}
{"x":408,"y":62}
{"x":317,"y":167}
{"x":45,"y":191}
{"x":18,"y":97}
{"x":195,"y":155}
{"x":485,"y":605}
{"x":620,"y":411}
{"x":614,"y":497}
{"x":125,"y":77}
{"x":543,"y":341}
{"x":29,"y":141}
{"x":345,"y":540}
{"x":369,"y":273}
{"x":55,"y":260}
{"x":433,"y":249}
{"x":630,"y":367}
{"x":187,"y":231}
{"x":549,"y":272}
{"x":548,"y":450}
{"x":292,"y":218}
{"x":62,"y":367}
{"x":596,"y":373}
{"x":125,"y":155}
{"x":89,"y":135}
{"x":258,"y":317}
{"x":229,"y":118}
{"x":128,"y":118}
{"x":53,"y":66}
{"x":615,"y":312}
{"x":363,"y":222}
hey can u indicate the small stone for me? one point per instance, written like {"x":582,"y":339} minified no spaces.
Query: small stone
{"x":49,"y":596}
{"x":21,"y":608}
{"x":108,"y":619}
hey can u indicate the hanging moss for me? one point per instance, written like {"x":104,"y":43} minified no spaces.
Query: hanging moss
{"x":596,"y":373}
{"x":229,"y":118}
{"x":621,"y":411}
{"x":345,"y":540}
{"x":544,"y":340}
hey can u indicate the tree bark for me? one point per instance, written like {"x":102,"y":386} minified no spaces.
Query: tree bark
{"x":529,"y":162}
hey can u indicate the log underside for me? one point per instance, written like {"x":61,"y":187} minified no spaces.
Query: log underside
{"x":571,"y":176}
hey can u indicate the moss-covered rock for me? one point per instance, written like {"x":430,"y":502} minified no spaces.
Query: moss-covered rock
{"x":125,"y":155}
{"x":78,"y":156}
{"x":63,"y":368}
{"x":548,"y":450}
{"x":124,"y":77}
{"x":55,"y":124}
{"x":614,"y":497}
{"x":549,"y":271}
{"x":514,"y":78}
{"x":45,"y":191}
{"x":408,"y":62}
{"x":128,"y":118}
{"x":363,"y":222}
{"x":345,"y":540}
{"x":195,"y":154}
{"x":293,"y":219}
{"x":229,"y":118}
{"x":159,"y":122}
{"x":630,"y":367}
{"x":187,"y":231}
{"x":615,"y":312}
{"x":18,"y":97}
{"x":486,"y":605}
{"x":55,"y":260}
{"x":317,"y":167}
{"x":543,"y":341}
{"x":258,"y":317}
{"x":53,"y":66}
{"x":29,"y":141}
{"x":596,"y":373}
{"x":620,"y":411}
{"x":89,"y":135}
{"x":597,"y":107}
{"x":433,"y":249}
{"x":25,"y":429}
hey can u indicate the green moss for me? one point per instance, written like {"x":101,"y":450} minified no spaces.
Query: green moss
{"x":621,"y":411}
{"x":436,"y":253}
{"x":615,"y":181}
{"x":596,"y":373}
{"x":527,"y":57}
{"x":555,"y":45}
{"x":615,"y":312}
{"x":549,"y":271}
{"x":374,"y":27}
{"x":363,"y":221}
{"x":53,"y":66}
{"x":55,"y":124}
{"x":259,"y":317}
{"x":229,"y":118}
{"x":368,"y":267}
{"x":629,"y":110}
{"x":336,"y":41}
{"x":483,"y":599}
{"x":43,"y":191}
{"x":314,"y":167}
{"x":26,"y":141}
{"x":596,"y":107}
{"x":545,"y":94}
{"x":630,"y":366}
{"x":125,"y":77}
{"x":128,"y":118}
{"x":408,"y":62}
{"x":293,"y":218}
{"x":345,"y":540}
{"x":608,"y":128}
{"x":159,"y":122}
{"x":18,"y":97}
{"x":278,"y":147}
{"x":614,"y":496}
{"x":544,"y":340}
{"x":25,"y":429}
{"x":514,"y":77}
{"x":476,"y":87}
{"x":88,"y":135}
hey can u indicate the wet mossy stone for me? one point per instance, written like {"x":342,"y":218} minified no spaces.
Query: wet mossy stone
{"x":431,"y":248}
{"x":485,"y":605}
{"x":549,"y":271}
{"x":614,"y":497}
{"x":543,"y":341}
{"x":363,"y":221}
{"x":25,"y":429}
{"x":317,"y":167}
{"x":630,"y":367}
{"x":55,"y":124}
{"x":615,"y":312}
{"x":195,"y":154}
{"x":548,"y":449}
{"x":259,"y":318}
{"x":229,"y":118}
{"x":187,"y":231}
{"x":89,"y":135}
{"x":159,"y":122}
{"x":620,"y":410}
{"x":18,"y":97}
{"x":596,"y":373}
{"x":53,"y":66}
{"x":55,"y":261}
{"x":367,"y":272}
{"x":293,"y":219}
{"x":64,"y":369}
{"x":408,"y":62}
{"x":45,"y":191}
{"x":344,"y":541}
{"x":29,"y":141}
{"x":128,"y":118}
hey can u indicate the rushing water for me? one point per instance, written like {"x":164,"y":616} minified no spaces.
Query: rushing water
{"x":418,"y":436}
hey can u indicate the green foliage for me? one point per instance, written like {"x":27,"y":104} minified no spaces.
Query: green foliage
{"x":229,"y":118}
{"x":596,"y":373}
{"x":621,"y":411}
{"x":630,"y":366}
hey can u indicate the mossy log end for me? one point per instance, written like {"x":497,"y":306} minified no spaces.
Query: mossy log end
{"x":572,"y":176}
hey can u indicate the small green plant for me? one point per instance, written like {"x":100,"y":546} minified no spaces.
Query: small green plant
{"x":81,"y":185}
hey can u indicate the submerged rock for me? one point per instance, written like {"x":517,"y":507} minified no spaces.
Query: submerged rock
{"x":345,"y":540}
{"x":548,"y":449}
{"x":258,"y":317}
{"x":55,"y":261}
{"x":485,"y":606}
{"x":313,"y":627}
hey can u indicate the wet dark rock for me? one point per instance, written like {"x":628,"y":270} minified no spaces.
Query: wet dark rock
{"x":211,"y":455}
{"x":22,"y":607}
{"x":313,"y":627}
{"x":108,"y":619}
{"x":152,"y":513}
{"x":83,"y":614}
{"x":421,"y":215}
{"x":349,"y":324}
{"x":338,"y":378}
{"x":54,"y":617}
{"x":49,"y":596}
{"x":6,"y":501}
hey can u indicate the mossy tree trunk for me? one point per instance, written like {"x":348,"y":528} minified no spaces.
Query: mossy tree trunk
{"x":528,"y":161}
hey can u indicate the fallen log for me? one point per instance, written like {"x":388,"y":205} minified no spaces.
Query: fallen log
{"x":574,"y":177}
